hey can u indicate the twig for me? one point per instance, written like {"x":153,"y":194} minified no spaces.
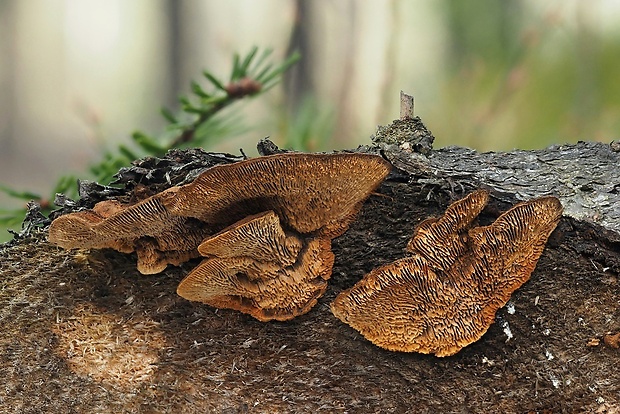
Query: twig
{"x":406,"y":106}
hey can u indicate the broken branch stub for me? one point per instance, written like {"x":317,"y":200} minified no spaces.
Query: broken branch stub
{"x":427,"y":304}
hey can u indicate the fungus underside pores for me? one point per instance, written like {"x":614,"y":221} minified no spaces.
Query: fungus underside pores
{"x":444,"y":296}
{"x":264,"y":226}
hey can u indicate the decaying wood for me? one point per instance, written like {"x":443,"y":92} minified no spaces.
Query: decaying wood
{"x":87,"y":333}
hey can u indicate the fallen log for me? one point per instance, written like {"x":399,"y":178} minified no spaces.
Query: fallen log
{"x":85,"y":332}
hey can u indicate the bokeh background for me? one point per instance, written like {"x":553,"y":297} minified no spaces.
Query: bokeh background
{"x":77,"y":77}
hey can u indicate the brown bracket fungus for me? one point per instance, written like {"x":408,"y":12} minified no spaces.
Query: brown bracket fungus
{"x":445,"y":296}
{"x":254,"y":267}
{"x":279,"y":213}
{"x":146,"y":227}
{"x":309,"y":192}
{"x":259,"y":237}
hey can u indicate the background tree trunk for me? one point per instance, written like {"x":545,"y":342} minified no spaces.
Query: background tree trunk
{"x":87,"y":333}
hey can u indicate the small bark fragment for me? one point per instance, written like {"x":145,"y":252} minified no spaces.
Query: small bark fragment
{"x":612,"y":340}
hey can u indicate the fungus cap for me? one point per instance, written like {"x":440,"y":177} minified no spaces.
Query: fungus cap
{"x":157,"y":237}
{"x":309,"y":192}
{"x":259,"y":237}
{"x":439,"y":240}
{"x":265,"y":290}
{"x":417,"y":304}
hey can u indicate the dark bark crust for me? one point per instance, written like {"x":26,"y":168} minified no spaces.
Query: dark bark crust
{"x":585,"y":176}
{"x":208,"y":360}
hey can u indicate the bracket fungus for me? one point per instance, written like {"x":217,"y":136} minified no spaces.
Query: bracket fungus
{"x":264,"y":224}
{"x":309,"y":192}
{"x":157,"y":237}
{"x":445,"y":295}
{"x":259,"y":237}
{"x":254,"y":267}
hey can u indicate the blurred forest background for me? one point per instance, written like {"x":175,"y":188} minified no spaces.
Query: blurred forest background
{"x":77,"y":77}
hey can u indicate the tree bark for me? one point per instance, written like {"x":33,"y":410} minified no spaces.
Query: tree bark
{"x":83,"y":332}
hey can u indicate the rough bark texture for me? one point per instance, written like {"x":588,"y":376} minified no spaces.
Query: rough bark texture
{"x":87,"y":333}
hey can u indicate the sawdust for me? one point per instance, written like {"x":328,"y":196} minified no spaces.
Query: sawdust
{"x":107,"y":348}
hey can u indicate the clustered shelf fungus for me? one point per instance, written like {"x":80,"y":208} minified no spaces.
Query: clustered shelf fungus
{"x":445,"y":295}
{"x":263,"y":225}
{"x":147,"y":227}
{"x":255,"y":267}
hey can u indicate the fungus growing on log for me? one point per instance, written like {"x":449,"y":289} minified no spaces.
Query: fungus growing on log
{"x":259,"y":237}
{"x":254,"y":267}
{"x":279,"y":214}
{"x":445,"y":296}
{"x":309,"y":192}
{"x":157,"y":237}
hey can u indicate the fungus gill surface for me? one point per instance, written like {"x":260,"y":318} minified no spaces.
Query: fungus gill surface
{"x":264,"y":226}
{"x":309,"y":192}
{"x":146,"y":227}
{"x":266,"y":287}
{"x":259,"y":237}
{"x":445,"y":296}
